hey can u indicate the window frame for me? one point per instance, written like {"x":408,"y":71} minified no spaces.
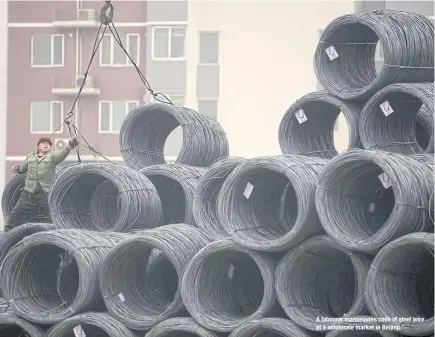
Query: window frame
{"x":199,"y":48}
{"x":208,"y":99}
{"x":110,"y":102}
{"x":128,"y":63}
{"x":52,"y":128}
{"x":167,"y":58}
{"x":51,"y":65}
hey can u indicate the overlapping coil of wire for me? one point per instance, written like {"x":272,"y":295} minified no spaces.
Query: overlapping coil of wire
{"x":180,"y":327}
{"x":13,"y":326}
{"x":272,"y":327}
{"x":146,"y":128}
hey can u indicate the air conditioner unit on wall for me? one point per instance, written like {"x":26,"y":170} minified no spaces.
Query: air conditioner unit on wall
{"x":60,"y":143}
{"x":89,"y":81}
{"x":86,"y":15}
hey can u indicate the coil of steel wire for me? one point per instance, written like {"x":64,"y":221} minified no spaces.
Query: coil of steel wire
{"x":92,"y":324}
{"x":400,"y":283}
{"x":366,"y":199}
{"x":344,"y":59}
{"x":321,"y":279}
{"x":50,"y":276}
{"x":352,"y":323}
{"x":138,"y":203}
{"x":180,"y":327}
{"x":226,"y":285}
{"x":268,"y":202}
{"x":104,"y":205}
{"x":13,"y":326}
{"x":175,"y":185}
{"x":145,"y":129}
{"x":128,"y":293}
{"x":307,"y":127}
{"x":399,"y":118}
{"x":206,"y":195}
{"x":272,"y":327}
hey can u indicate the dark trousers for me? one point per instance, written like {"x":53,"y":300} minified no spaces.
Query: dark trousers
{"x":31,"y":207}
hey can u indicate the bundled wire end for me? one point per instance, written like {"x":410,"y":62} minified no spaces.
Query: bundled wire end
{"x":366,"y":199}
{"x":268,"y":202}
{"x":348,"y":327}
{"x":180,"y":327}
{"x":72,"y":199}
{"x":399,"y":118}
{"x":90,"y":324}
{"x":175,"y":185}
{"x":270,"y":327}
{"x":50,"y":276}
{"x":132,"y":291}
{"x":145,"y":129}
{"x":308,"y":125}
{"x":206,"y":195}
{"x":401,"y":283}
{"x":320,"y":279}
{"x":226,"y":285}
{"x":13,"y":326}
{"x":344,"y":59}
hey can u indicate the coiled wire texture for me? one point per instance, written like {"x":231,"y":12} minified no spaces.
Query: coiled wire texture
{"x":408,"y":53}
{"x":145,"y":129}
{"x":401,"y":283}
{"x":271,"y":327}
{"x":180,"y":327}
{"x":399,"y":118}
{"x":124,"y":283}
{"x":358,"y":212}
{"x":71,"y":194}
{"x":50,"y":276}
{"x":321,"y":279}
{"x":93,"y":324}
{"x":14,"y":326}
{"x":175,"y":185}
{"x":226,"y":285}
{"x":361,"y":321}
{"x":206,"y":196}
{"x":268,"y":202}
{"x":307,"y":127}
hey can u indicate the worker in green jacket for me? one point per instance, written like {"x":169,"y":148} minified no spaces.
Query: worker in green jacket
{"x":40,"y":167}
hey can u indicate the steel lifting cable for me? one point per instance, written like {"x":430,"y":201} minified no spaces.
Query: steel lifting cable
{"x":270,"y":327}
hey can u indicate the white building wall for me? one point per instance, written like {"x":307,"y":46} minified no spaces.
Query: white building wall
{"x":266,"y":62}
{"x":3,"y":93}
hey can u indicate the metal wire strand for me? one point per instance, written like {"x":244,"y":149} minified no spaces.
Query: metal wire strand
{"x":71,"y":198}
{"x":361,"y":321}
{"x":399,"y":118}
{"x":270,"y":327}
{"x":308,"y":125}
{"x":401,"y":283}
{"x":321,"y":279}
{"x":408,"y":53}
{"x":50,"y":276}
{"x":226,"y":285}
{"x":13,"y":326}
{"x":268,"y":202}
{"x":145,"y":129}
{"x":206,"y":195}
{"x":93,"y":324}
{"x":180,"y":327}
{"x":175,"y":185}
{"x":127,"y":289}
{"x":359,"y":213}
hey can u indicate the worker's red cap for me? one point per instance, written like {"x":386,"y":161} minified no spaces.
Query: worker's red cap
{"x":44,"y":139}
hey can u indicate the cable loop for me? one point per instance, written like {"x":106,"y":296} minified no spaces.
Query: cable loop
{"x":106,"y":13}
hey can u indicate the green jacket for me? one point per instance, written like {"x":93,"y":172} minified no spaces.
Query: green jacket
{"x":42,"y":171}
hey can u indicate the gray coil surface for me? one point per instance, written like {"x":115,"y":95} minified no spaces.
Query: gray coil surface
{"x":226,"y":285}
{"x":400,"y":283}
{"x":206,"y":196}
{"x":13,"y":326}
{"x":280,"y":211}
{"x":408,"y":53}
{"x":104,"y":205}
{"x":180,"y":327}
{"x":358,"y":212}
{"x":93,"y":324}
{"x":175,"y":185}
{"x":270,"y":327}
{"x":53,"y":275}
{"x":307,"y":127}
{"x":321,"y":279}
{"x":145,"y":129}
{"x":124,"y":272}
{"x":71,"y":194}
{"x":399,"y":118}
{"x":362,"y":321}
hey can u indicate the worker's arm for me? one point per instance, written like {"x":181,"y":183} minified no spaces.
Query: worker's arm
{"x":20,"y":169}
{"x":60,"y":156}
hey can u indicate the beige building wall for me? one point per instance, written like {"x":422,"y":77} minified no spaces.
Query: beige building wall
{"x":266,"y":51}
{"x":3,"y":93}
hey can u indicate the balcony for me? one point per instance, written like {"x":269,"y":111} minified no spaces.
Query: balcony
{"x":65,"y":87}
{"x":78,"y":18}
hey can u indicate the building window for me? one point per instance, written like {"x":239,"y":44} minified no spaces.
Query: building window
{"x":47,"y":50}
{"x":168,"y":42}
{"x":46,"y":117}
{"x":112,"y":55}
{"x":112,"y":114}
{"x":208,"y":107}
{"x":208,"y":48}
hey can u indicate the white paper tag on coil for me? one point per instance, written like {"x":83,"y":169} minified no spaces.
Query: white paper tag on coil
{"x":386,"y":108}
{"x":385,"y":180}
{"x":248,"y":190}
{"x":121,"y":297}
{"x":300,"y":116}
{"x":372,"y":207}
{"x":332,"y":53}
{"x":231,"y":271}
{"x":78,"y":331}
